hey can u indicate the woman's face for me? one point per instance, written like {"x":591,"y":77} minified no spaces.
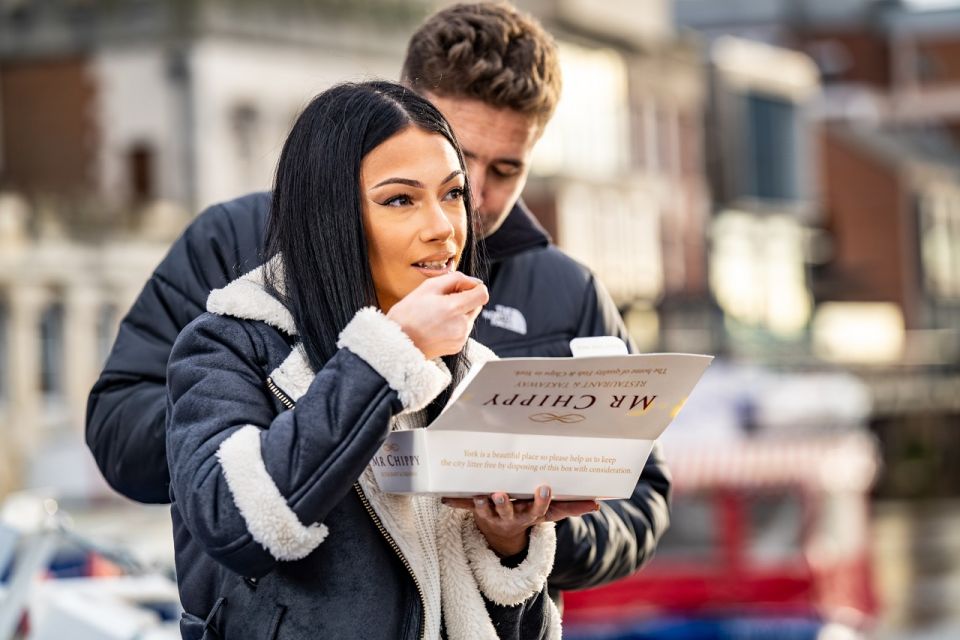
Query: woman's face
{"x":411,"y":188}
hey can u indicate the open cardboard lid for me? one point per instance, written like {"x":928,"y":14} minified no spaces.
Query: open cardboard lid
{"x":607,"y":396}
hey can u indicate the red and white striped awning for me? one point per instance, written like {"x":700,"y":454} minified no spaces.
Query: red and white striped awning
{"x":848,"y":462}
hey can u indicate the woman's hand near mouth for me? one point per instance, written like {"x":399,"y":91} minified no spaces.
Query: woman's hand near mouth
{"x":438,"y":315}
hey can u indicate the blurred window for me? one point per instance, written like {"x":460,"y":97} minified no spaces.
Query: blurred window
{"x":140,"y":163}
{"x":19,"y":12}
{"x":776,"y":528}
{"x":246,"y":123}
{"x":772,"y":171}
{"x":929,"y":68}
{"x":4,"y":350}
{"x":643,"y":131}
{"x":616,"y":232}
{"x":940,"y":241}
{"x":106,"y":330}
{"x":757,"y":272}
{"x":246,"y":120}
{"x":51,"y":351}
{"x":589,"y":135}
{"x":690,"y":134}
{"x":833,"y":57}
{"x":694,"y":534}
{"x":668,"y":153}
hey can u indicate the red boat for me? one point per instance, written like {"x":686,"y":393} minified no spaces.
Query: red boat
{"x":771,"y":531}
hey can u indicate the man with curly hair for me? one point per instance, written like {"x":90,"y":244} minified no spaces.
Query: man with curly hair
{"x":495,"y":75}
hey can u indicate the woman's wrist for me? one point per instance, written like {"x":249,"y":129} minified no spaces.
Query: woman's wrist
{"x":506,"y":547}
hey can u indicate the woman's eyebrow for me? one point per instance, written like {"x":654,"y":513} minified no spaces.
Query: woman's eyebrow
{"x":415,"y":183}
{"x":452,"y":175}
{"x":407,"y":181}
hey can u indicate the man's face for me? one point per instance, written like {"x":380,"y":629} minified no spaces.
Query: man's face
{"x":497,"y":144}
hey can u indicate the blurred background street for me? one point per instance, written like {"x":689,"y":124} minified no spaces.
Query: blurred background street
{"x":775,"y":182}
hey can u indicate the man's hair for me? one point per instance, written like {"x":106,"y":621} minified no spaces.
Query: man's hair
{"x":488,"y":51}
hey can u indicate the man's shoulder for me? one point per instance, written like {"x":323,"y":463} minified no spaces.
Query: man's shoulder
{"x":246,"y":211}
{"x":223,"y":242}
{"x":541,"y":298}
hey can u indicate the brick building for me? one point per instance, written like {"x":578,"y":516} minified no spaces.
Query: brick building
{"x":120,"y":120}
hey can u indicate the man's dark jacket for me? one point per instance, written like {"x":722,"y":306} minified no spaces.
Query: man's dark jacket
{"x":539,"y":300}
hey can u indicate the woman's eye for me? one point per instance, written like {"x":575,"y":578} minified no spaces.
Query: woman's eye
{"x":401,"y":200}
{"x":455,"y":194}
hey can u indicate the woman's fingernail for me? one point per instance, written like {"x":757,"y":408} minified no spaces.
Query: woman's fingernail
{"x":499,"y":500}
{"x":477,"y":280}
{"x":544,"y":492}
{"x":479,"y":501}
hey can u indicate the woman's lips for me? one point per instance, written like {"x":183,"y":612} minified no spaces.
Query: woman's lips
{"x":431,"y":268}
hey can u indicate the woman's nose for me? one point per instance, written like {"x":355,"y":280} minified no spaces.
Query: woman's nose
{"x":437,"y":225}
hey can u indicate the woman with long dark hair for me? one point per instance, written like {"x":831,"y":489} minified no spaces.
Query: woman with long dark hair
{"x":281,"y":394}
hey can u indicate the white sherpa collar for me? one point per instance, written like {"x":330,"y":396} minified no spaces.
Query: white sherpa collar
{"x":248,"y":299}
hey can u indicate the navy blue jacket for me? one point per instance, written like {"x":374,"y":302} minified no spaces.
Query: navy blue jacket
{"x":281,"y":532}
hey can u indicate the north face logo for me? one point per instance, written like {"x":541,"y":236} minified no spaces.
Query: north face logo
{"x":506,"y":318}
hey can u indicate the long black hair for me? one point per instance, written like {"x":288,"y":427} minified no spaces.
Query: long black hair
{"x":316,"y":221}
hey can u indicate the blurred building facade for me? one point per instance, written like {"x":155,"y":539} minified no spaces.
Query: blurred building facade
{"x":117,"y":122}
{"x":758,"y":188}
{"x":189,"y":102}
{"x":619,"y":177}
{"x":898,"y":243}
{"x":882,"y":256}
{"x":773,"y":180}
{"x":120,"y":120}
{"x":61,"y":300}
{"x":761,"y":166}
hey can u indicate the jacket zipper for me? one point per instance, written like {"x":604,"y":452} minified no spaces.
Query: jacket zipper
{"x":396,"y":549}
{"x":281,"y":396}
{"x":286,"y":401}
